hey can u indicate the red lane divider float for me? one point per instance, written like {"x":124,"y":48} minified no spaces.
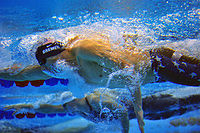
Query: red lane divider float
{"x":35,"y":83}
{"x":8,"y":115}
{"x":20,"y":116}
{"x":21,"y":83}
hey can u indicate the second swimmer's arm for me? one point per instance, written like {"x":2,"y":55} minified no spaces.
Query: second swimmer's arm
{"x":43,"y":108}
{"x":47,"y":108}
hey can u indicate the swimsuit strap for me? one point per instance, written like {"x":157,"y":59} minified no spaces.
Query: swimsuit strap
{"x":175,"y":67}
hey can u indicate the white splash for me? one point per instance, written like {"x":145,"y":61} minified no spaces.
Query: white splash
{"x":61,"y":69}
{"x":125,"y":72}
{"x":56,"y":98}
{"x":5,"y":58}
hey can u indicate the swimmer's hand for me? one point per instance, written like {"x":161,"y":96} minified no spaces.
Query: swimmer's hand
{"x":13,"y":70}
{"x":18,"y":107}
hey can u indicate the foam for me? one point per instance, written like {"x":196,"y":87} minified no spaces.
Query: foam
{"x":188,"y":47}
{"x":56,"y":98}
{"x":5,"y":58}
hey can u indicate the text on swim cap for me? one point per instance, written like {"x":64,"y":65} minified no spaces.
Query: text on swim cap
{"x":50,"y":49}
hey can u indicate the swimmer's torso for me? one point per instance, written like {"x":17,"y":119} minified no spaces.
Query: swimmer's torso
{"x":97,"y":61}
{"x":93,"y":57}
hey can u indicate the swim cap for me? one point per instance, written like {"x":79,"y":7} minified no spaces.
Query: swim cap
{"x":48,"y":50}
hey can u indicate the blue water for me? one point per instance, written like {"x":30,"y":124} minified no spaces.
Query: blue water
{"x":19,"y":17}
{"x":172,"y":20}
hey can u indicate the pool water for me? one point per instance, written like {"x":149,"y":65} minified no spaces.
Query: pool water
{"x":157,"y":21}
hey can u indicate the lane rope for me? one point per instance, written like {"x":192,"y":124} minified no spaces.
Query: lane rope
{"x":9,"y":115}
{"x":35,"y":83}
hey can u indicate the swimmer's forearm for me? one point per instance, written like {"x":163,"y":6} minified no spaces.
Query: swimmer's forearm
{"x":47,"y":109}
{"x":43,"y":108}
{"x":9,"y":76}
{"x":29,"y":73}
{"x":33,"y":73}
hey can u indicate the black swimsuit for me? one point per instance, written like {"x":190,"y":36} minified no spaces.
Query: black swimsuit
{"x":184,"y":70}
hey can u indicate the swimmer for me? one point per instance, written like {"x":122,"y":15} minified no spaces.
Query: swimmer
{"x":115,"y":104}
{"x":89,"y":107}
{"x":95,"y":60}
{"x":94,"y":107}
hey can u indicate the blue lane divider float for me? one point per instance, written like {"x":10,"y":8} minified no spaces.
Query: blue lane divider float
{"x":64,"y":81}
{"x":40,"y":115}
{"x":1,"y":114}
{"x":50,"y":82}
{"x":6,"y":83}
{"x":5,"y":114}
{"x":51,"y":115}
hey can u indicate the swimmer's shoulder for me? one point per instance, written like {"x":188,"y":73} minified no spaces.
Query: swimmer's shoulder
{"x":90,"y":46}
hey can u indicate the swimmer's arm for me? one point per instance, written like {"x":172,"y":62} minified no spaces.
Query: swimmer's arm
{"x":48,"y":108}
{"x":121,"y":112}
{"x":43,"y":108}
{"x":29,"y":73}
{"x":107,"y":57}
{"x":94,"y":51}
{"x":137,"y":104}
